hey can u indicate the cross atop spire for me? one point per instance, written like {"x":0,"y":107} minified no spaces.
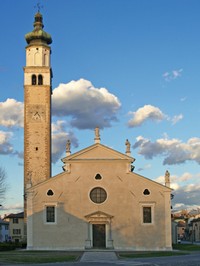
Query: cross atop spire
{"x":38,"y":6}
{"x":38,"y":35}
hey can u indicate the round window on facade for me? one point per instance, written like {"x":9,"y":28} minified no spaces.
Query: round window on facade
{"x":98,"y":195}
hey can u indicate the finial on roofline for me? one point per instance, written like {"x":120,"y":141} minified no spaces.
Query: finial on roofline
{"x":97,"y":135}
{"x":128,"y":147}
{"x":167,"y":178}
{"x":68,"y":147}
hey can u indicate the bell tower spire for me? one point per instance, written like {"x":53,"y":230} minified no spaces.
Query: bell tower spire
{"x":37,"y":105}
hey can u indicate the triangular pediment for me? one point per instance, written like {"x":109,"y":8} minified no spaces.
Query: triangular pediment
{"x":98,"y":215}
{"x":98,"y":151}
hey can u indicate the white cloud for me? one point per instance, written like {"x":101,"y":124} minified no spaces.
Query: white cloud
{"x":187,"y":196}
{"x":144,"y":113}
{"x":173,"y":181}
{"x":59,"y":125}
{"x":59,"y":139}
{"x":176,"y":119}
{"x":11,"y":113}
{"x":185,"y":177}
{"x":179,"y":206}
{"x":174,"y":74}
{"x":149,"y":112}
{"x":174,"y":186}
{"x":146,"y":166}
{"x":86,"y":105}
{"x":185,"y":190}
{"x":183,"y":99}
{"x":14,"y":208}
{"x":5,"y":145}
{"x":174,"y":150}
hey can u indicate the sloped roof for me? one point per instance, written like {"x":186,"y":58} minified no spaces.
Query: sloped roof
{"x":98,"y":151}
{"x":4,"y":222}
{"x":15,"y":215}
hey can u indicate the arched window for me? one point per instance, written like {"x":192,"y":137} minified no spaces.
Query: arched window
{"x":40,"y":80}
{"x":34,"y":79}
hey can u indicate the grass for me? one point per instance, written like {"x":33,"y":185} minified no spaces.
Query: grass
{"x":179,"y":249}
{"x":26,"y":257}
{"x":149,"y":254}
{"x":188,"y":247}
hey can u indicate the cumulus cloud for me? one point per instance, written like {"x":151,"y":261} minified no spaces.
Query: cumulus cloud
{"x":11,"y":113}
{"x":18,"y":207}
{"x":144,"y":113}
{"x":185,"y":190}
{"x":5,"y":145}
{"x":176,"y":181}
{"x":85,"y":105}
{"x":174,"y":150}
{"x":59,"y":139}
{"x":185,"y":177}
{"x":187,"y":196}
{"x":174,"y":74}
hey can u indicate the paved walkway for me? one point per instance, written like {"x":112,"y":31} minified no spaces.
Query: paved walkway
{"x":98,"y":256}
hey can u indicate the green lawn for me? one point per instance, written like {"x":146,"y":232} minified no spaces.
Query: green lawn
{"x":188,"y":247}
{"x":26,"y":257}
{"x":148,"y":254}
{"x":23,"y":256}
{"x":178,"y":249}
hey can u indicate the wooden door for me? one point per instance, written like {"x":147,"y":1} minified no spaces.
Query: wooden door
{"x":99,"y":235}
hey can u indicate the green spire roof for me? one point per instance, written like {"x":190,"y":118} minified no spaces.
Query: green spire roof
{"x":38,"y":35}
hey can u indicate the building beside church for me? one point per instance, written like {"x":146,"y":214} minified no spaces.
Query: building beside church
{"x":4,"y":231}
{"x":97,"y":201}
{"x":15,"y":227}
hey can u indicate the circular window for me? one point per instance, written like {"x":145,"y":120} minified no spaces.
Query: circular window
{"x":98,"y":195}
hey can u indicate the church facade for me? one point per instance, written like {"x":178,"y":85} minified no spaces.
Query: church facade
{"x":97,"y":201}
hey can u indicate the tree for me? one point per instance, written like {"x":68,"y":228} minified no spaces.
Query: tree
{"x":3,"y":185}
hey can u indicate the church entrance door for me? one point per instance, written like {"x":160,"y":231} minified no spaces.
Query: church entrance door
{"x":99,"y":235}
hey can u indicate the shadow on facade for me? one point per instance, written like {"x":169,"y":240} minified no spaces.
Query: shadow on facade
{"x":92,"y":230}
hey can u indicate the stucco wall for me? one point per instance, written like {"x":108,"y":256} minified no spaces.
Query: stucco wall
{"x":124,"y":203}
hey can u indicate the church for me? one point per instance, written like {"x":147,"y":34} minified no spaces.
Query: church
{"x":97,"y":201}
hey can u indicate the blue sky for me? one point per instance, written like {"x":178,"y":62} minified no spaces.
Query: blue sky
{"x":130,"y":67}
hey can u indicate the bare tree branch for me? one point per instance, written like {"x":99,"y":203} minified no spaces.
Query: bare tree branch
{"x":3,"y":184}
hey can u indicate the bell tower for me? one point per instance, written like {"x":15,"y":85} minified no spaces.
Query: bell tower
{"x":37,"y":105}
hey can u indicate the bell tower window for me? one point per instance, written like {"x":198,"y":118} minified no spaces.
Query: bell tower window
{"x":40,"y":80}
{"x":34,"y":79}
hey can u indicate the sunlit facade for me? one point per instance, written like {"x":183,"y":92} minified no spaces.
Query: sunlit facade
{"x":97,"y":201}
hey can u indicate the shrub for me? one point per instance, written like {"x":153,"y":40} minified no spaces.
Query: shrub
{"x":7,"y":246}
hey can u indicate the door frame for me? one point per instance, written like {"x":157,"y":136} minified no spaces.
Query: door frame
{"x":105,"y":234}
{"x":99,"y":218}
